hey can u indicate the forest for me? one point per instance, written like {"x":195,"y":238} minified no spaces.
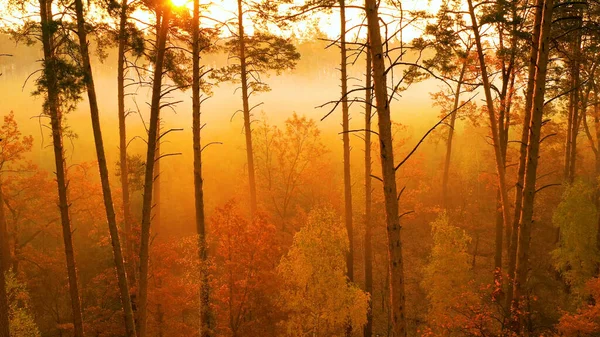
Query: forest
{"x":301,"y":168}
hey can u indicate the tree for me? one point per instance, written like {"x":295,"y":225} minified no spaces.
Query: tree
{"x":452,"y":60}
{"x":576,"y":256}
{"x":533,"y":145}
{"x":286,"y":160}
{"x":448,"y":271}
{"x":61,"y":82}
{"x":164,"y":11}
{"x":368,"y":239}
{"x":396,"y":263}
{"x":21,"y":319}
{"x":525,"y":133}
{"x":317,"y":296}
{"x":88,"y":79}
{"x":497,"y":134}
{"x":12,"y":148}
{"x":594,"y":138}
{"x":585,"y":322}
{"x":572,"y":16}
{"x":257,"y":55}
{"x":346,"y":146}
{"x":244,"y":282}
{"x":205,"y":310}
{"x":130,"y":40}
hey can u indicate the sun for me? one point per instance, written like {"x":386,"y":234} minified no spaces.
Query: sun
{"x":179,"y":3}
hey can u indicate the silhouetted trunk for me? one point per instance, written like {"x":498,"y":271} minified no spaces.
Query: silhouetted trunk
{"x":346,"y":141}
{"x":503,"y":129}
{"x":205,"y":323}
{"x":127,"y":220}
{"x":368,"y":331}
{"x":4,"y":263}
{"x":498,"y":247}
{"x":246,"y":109}
{"x":103,"y":168}
{"x":346,"y":146}
{"x":496,"y":133}
{"x":512,"y":231}
{"x":573,"y":120}
{"x":396,"y":263}
{"x":149,"y":171}
{"x":156,"y":188}
{"x":53,"y":109}
{"x":451,"y":135}
{"x":160,"y":320}
{"x":594,"y":145}
{"x":533,"y":145}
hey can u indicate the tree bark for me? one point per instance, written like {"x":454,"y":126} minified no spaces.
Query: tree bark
{"x":346,"y":145}
{"x":246,"y":109}
{"x":396,"y":263}
{"x":123,"y":165}
{"x":156,"y":189}
{"x":574,"y":119}
{"x":368,"y":331}
{"x":451,"y":135}
{"x":205,"y":314}
{"x":103,"y":168}
{"x":504,"y":127}
{"x":513,"y":230}
{"x":149,"y":172}
{"x":496,"y":137}
{"x":53,"y":109}
{"x":532,"y":161}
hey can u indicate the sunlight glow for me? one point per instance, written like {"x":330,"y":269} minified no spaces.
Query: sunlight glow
{"x":179,"y":3}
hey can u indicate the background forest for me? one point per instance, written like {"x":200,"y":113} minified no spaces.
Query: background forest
{"x":318,"y":168}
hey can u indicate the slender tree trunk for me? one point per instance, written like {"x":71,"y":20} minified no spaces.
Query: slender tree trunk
{"x":504,"y":125}
{"x":532,"y":161}
{"x":205,"y":314}
{"x":500,"y":166}
{"x":396,"y":263}
{"x":123,"y":165}
{"x":575,"y":119}
{"x":513,"y":230}
{"x":149,"y":174}
{"x":346,"y":146}
{"x":156,"y":189}
{"x":103,"y":168}
{"x":160,"y":319}
{"x":4,"y":263}
{"x":53,"y":109}
{"x":246,"y":109}
{"x":569,"y":131}
{"x":346,"y":141}
{"x":499,"y":238}
{"x":368,"y":331}
{"x":445,"y":197}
